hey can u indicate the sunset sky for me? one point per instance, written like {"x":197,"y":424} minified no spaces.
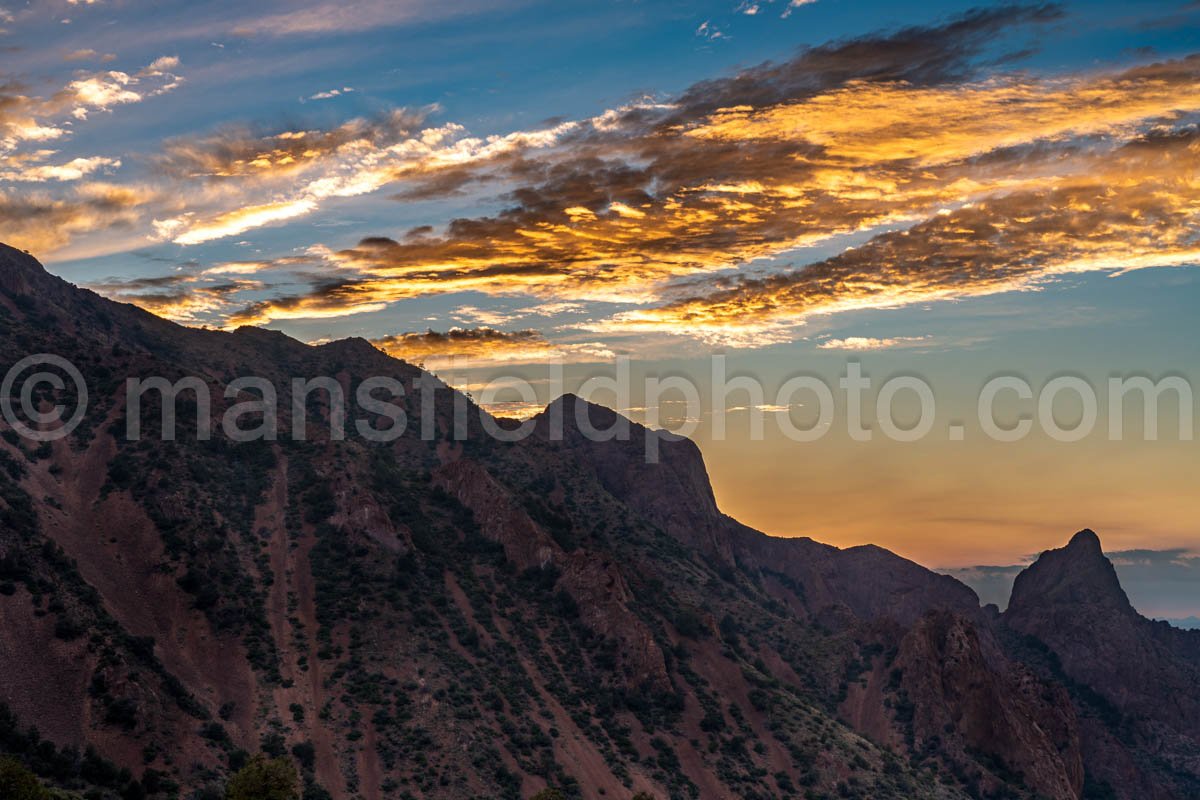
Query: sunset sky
{"x":940,"y":189}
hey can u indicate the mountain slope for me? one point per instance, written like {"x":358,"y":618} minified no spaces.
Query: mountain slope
{"x":452,"y":616}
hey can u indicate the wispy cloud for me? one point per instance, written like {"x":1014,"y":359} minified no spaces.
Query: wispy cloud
{"x":794,"y":4}
{"x":303,"y":169}
{"x":707,"y":30}
{"x":465,"y":347}
{"x":860,"y":343}
{"x":73,"y":170}
{"x":41,"y":222}
{"x":25,"y":118}
{"x":329,"y":94}
{"x":89,"y":54}
{"x":185,"y":296}
{"x":314,"y":19}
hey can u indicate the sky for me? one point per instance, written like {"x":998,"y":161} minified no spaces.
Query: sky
{"x":950,"y":191}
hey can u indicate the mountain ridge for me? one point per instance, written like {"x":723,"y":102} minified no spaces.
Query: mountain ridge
{"x":452,"y":617}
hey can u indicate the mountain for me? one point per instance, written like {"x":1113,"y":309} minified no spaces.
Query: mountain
{"x":1187,"y":623}
{"x":453,"y":616}
{"x":1138,"y":677}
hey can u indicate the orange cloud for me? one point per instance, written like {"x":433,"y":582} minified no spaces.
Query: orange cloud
{"x":633,"y":212}
{"x":969,"y":186}
{"x":860,"y":343}
{"x":473,"y":347}
{"x":1135,"y":207}
{"x":39,"y":222}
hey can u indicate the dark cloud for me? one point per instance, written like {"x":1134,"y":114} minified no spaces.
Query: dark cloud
{"x":917,"y":55}
{"x":186,"y":296}
{"x":242,"y":151}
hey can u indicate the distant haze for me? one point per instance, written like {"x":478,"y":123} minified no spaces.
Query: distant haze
{"x":1161,"y":584}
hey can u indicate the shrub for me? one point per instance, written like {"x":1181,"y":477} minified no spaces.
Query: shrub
{"x":305,"y":753}
{"x":264,"y":780}
{"x":18,"y":783}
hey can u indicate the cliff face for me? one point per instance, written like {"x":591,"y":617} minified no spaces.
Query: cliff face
{"x":453,"y":617}
{"x":671,"y":487}
{"x":1072,"y":600}
{"x":1138,"y":677}
{"x":596,"y":583}
{"x":674,"y":493}
{"x":962,"y":704}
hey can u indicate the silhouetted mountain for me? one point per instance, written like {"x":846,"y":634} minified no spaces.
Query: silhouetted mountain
{"x":450,"y":616}
{"x":1139,"y":678}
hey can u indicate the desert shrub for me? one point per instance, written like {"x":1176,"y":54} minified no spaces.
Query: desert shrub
{"x":18,"y":783}
{"x":263,"y":779}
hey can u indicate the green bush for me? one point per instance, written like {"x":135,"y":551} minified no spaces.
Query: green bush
{"x":18,"y":783}
{"x":263,"y":779}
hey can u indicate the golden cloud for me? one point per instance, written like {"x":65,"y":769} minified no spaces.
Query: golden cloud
{"x":27,"y":168}
{"x":303,"y":169}
{"x":38,"y":222}
{"x":967,"y":185}
{"x":637,"y":209}
{"x":1133,"y":208}
{"x":462,"y":348}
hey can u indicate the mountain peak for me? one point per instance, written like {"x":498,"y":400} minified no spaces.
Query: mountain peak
{"x":1086,"y":541}
{"x":567,"y":407}
{"x":12,"y":258}
{"x":352,"y":346}
{"x":570,"y":400}
{"x":20,"y":273}
{"x":1078,"y":574}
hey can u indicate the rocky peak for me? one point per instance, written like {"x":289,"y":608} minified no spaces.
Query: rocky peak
{"x":353,"y":346}
{"x":12,"y":259}
{"x":20,"y":273}
{"x":1072,"y":601}
{"x":1085,"y":543}
{"x":1078,"y":574}
{"x":656,"y":471}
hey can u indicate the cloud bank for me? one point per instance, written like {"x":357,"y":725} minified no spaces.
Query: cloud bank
{"x":697,"y":214}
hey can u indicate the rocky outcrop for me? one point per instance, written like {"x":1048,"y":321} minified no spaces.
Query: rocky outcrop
{"x":1135,"y":679}
{"x":1071,"y":600}
{"x":672,"y":489}
{"x":656,"y":472}
{"x":593,"y":581}
{"x":871,"y":582}
{"x":964,"y":705}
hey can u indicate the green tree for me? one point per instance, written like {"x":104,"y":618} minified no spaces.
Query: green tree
{"x":549,"y":794}
{"x":263,"y":779}
{"x":18,"y":783}
{"x":643,"y":796}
